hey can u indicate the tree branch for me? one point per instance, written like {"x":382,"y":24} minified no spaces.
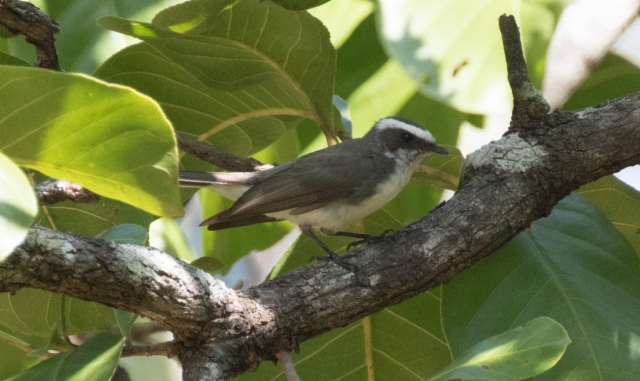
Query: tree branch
{"x":53,"y":191}
{"x":167,"y":348}
{"x":222,"y":159}
{"x":21,"y":17}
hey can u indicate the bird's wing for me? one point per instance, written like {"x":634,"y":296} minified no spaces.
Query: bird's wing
{"x":307,"y":184}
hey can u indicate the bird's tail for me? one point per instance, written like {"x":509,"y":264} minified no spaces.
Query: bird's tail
{"x":230,"y":185}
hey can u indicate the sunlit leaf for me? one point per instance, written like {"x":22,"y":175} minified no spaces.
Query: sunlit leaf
{"x":517,"y":354}
{"x":18,"y":206}
{"x":242,"y":104}
{"x":75,"y":128}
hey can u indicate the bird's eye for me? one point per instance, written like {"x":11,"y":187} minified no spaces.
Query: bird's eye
{"x":406,"y":137}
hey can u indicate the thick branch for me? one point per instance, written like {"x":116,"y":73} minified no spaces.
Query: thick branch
{"x":217,"y":157}
{"x":21,"y":17}
{"x":54,"y":191}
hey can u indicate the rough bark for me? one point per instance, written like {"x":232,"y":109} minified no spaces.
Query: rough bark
{"x":21,"y":17}
{"x":220,"y":332}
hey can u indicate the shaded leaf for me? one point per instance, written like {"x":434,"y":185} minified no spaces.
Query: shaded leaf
{"x":95,"y":360}
{"x":442,"y":171}
{"x":619,"y":202}
{"x":6,"y":59}
{"x":82,"y":130}
{"x":126,"y":234}
{"x":18,"y":206}
{"x":125,"y":321}
{"x":208,"y":264}
{"x":613,"y":78}
{"x":35,"y":312}
{"x":517,"y":354}
{"x":574,"y":267}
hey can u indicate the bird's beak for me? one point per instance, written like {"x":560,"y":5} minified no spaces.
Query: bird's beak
{"x":440,"y":150}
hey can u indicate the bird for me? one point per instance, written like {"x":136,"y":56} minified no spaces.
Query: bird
{"x":324,"y":190}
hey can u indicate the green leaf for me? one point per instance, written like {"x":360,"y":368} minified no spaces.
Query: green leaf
{"x":457,"y":58}
{"x":5,"y":337}
{"x":35,"y":312}
{"x":517,"y":354}
{"x":95,"y":360}
{"x":92,"y":219}
{"x":126,"y":234}
{"x":18,"y":206}
{"x":166,"y":235}
{"x":125,"y":321}
{"x":442,"y":171}
{"x":282,"y":70}
{"x":403,"y":342}
{"x":6,"y":59}
{"x":612,"y":78}
{"x":82,"y":130}
{"x":342,"y":17}
{"x":208,"y":264}
{"x":298,"y":5}
{"x":620,"y":203}
{"x":574,"y":267}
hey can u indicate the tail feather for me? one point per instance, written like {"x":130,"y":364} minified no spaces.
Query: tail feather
{"x":218,"y":222}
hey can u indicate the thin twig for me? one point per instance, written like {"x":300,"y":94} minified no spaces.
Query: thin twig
{"x":21,"y":17}
{"x":166,"y":348}
{"x":287,"y":366}
{"x":213,"y":155}
{"x":53,"y":191}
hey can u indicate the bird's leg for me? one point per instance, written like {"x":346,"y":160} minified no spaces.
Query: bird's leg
{"x":366,"y":238}
{"x":335,"y":258}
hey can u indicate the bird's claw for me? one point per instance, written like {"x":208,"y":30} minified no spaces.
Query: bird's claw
{"x":335,"y":258}
{"x":386,"y":236}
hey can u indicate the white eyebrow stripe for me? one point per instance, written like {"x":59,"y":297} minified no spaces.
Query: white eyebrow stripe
{"x":395,"y":123}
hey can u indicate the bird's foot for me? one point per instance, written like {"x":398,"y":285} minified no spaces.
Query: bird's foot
{"x":335,"y":258}
{"x":386,"y":236}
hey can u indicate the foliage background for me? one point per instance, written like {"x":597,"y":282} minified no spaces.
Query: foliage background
{"x":579,"y":266}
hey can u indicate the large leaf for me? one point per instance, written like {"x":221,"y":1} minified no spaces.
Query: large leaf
{"x":342,"y":17}
{"x":517,"y":354}
{"x":18,"y":206}
{"x":95,"y":360}
{"x":612,"y":78}
{"x":233,"y":73}
{"x":403,"y":342}
{"x":573,"y":267}
{"x":457,"y":58}
{"x":112,"y":140}
{"x":36,"y":312}
{"x":621,"y":204}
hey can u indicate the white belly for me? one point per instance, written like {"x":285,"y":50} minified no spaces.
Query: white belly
{"x":337,"y":216}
